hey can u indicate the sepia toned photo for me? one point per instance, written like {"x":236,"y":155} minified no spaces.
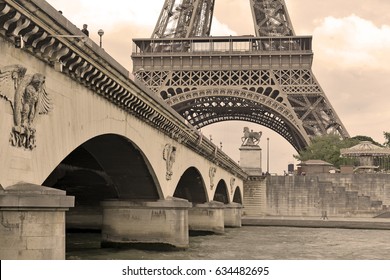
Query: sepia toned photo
{"x":195,"y":130}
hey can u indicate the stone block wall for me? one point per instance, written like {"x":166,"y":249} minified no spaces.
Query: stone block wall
{"x":32,"y":222}
{"x":32,"y":235}
{"x":292,"y":195}
{"x":376,"y":186}
{"x":255,"y":197}
{"x":363,"y":195}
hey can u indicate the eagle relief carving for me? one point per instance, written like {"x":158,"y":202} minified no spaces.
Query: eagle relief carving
{"x":169,"y":155}
{"x":28,"y":98}
{"x":232,"y":183}
{"x":212,"y":171}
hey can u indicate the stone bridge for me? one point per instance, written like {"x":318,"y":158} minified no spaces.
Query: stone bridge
{"x":77,"y":133}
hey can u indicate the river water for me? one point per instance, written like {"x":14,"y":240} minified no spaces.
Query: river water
{"x":251,"y":243}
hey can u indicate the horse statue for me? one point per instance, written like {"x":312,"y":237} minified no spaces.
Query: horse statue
{"x":250,"y":138}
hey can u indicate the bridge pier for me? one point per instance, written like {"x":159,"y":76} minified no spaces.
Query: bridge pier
{"x":32,"y":225}
{"x":232,"y":215}
{"x":155,"y":223}
{"x":207,"y":217}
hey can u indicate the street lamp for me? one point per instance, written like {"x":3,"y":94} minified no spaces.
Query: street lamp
{"x":101,"y":33}
{"x":267,"y":155}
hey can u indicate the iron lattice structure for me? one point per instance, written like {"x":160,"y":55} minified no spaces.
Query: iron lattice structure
{"x":184,"y":19}
{"x":265,"y":79}
{"x":271,"y":18}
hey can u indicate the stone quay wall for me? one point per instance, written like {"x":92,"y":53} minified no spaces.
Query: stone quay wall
{"x":344,"y":195}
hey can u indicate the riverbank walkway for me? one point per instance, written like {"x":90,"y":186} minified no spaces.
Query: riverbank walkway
{"x":317,"y":222}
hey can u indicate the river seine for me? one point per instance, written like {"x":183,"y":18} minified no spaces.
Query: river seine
{"x":251,"y":243}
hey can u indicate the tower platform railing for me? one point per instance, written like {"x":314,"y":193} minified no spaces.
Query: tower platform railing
{"x":223,"y":45}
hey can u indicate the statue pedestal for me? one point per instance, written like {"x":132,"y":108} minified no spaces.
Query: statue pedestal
{"x":250,"y":159}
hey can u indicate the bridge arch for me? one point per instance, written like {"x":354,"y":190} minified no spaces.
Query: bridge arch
{"x":191,"y":186}
{"x":263,"y":105}
{"x":105,"y":167}
{"x":237,"y":197}
{"x":221,"y":192}
{"x":119,"y":164}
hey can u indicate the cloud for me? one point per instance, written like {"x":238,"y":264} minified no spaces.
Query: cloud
{"x":351,"y":62}
{"x":220,"y":29}
{"x":352,"y":41}
{"x":106,"y":16}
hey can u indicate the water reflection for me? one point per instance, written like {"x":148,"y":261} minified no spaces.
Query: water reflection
{"x":267,"y":243}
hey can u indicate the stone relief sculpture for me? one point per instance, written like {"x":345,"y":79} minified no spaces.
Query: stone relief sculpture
{"x":169,"y":156}
{"x":250,"y":138}
{"x":212,"y":171}
{"x":232,"y":183}
{"x":27,"y":97}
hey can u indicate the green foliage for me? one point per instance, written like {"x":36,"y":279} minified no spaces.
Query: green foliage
{"x":327,"y":148}
{"x":361,"y":138}
{"x":387,"y":137}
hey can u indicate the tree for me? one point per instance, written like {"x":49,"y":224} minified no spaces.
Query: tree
{"x":387,"y":137}
{"x":327,"y":148}
{"x":367,"y":138}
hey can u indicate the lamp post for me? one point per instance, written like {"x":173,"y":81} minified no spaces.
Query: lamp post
{"x":101,"y":33}
{"x":267,"y":155}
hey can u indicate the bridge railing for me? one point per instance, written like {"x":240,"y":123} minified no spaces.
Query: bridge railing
{"x":224,"y":45}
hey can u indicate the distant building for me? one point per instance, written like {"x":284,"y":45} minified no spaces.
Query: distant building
{"x":314,"y":166}
{"x":368,"y":157}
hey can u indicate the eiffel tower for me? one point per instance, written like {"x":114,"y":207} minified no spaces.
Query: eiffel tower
{"x":265,"y":79}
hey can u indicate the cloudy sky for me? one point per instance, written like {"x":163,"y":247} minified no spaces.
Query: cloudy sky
{"x":351,"y":44}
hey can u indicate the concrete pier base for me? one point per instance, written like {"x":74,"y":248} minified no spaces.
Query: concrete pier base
{"x":207,"y":217}
{"x":32,"y":222}
{"x":157,"y":223}
{"x":232,"y":215}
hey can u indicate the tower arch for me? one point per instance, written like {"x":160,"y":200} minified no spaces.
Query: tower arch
{"x":209,"y":106}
